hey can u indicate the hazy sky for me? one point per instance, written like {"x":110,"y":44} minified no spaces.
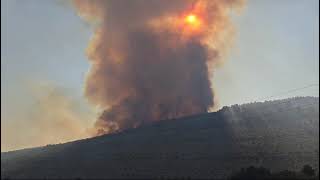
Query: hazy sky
{"x":43,"y":49}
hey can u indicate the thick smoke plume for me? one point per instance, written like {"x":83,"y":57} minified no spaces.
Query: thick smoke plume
{"x":149,"y":62}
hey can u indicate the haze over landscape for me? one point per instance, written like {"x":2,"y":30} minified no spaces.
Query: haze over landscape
{"x":160,"y":89}
{"x":281,"y":135}
{"x":51,"y":93}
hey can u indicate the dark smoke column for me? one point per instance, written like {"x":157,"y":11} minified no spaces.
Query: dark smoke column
{"x":149,"y":62}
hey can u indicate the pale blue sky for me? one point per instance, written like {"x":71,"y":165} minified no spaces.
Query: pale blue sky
{"x":42,"y":42}
{"x":276,"y":50}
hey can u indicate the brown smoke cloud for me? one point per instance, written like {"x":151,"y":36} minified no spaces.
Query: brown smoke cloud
{"x":148,"y":63}
{"x":53,"y":118}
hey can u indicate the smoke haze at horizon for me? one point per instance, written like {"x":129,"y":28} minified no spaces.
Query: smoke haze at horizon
{"x":287,"y":47}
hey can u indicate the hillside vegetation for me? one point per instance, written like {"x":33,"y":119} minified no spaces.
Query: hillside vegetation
{"x":279,"y":135}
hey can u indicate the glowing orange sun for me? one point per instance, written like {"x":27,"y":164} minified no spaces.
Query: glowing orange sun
{"x":192,"y":19}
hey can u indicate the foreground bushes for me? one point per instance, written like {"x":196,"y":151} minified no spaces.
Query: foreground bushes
{"x":261,"y":173}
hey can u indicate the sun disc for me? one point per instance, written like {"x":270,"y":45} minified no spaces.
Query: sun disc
{"x":191,"y":18}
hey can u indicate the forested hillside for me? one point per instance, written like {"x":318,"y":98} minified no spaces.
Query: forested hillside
{"x":279,"y":135}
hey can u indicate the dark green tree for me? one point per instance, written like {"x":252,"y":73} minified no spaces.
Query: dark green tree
{"x":308,"y":170}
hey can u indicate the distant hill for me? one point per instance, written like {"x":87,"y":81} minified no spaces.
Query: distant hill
{"x":281,"y":134}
